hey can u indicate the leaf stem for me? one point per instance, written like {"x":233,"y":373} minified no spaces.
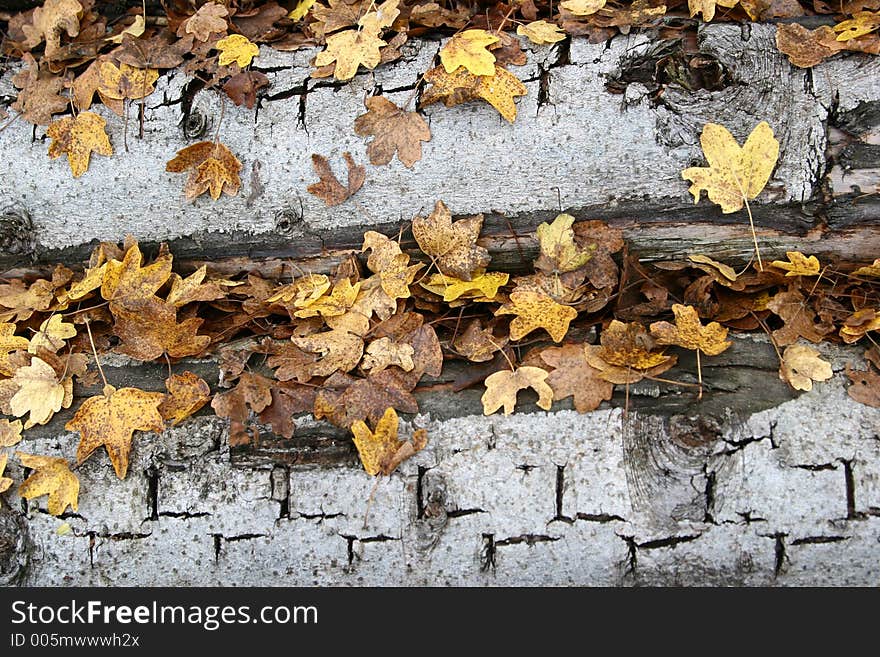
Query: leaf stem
{"x":95,"y":352}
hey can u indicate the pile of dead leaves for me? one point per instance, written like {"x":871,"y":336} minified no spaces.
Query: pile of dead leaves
{"x":351,"y":346}
{"x":76,"y":53}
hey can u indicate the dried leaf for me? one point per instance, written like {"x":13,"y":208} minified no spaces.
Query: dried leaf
{"x":242,"y":88}
{"x":801,"y":365}
{"x":209,"y":19}
{"x":461,"y":86}
{"x":344,"y":400}
{"x":862,"y":23}
{"x":22,"y":301}
{"x":78,"y":138}
{"x":9,"y":342}
{"x":379,"y":449}
{"x":384,"y":352}
{"x":151,"y":329}
{"x":689,"y":332}
{"x":799,"y":319}
{"x":453,"y":246}
{"x":483,"y":287}
{"x":329,"y":189}
{"x":583,"y":7}
{"x":865,"y":387}
{"x":535,"y":310}
{"x":40,"y":96}
{"x":734,"y":173}
{"x":477,"y":344}
{"x":871,"y":271}
{"x":502,"y":388}
{"x":629,"y":346}
{"x":10,"y":432}
{"x":187,"y":393}
{"x":338,"y":302}
{"x":291,"y":363}
{"x":52,"y":477}
{"x":395,"y":131}
{"x":39,"y":393}
{"x":52,"y":334}
{"x":340,"y":351}
{"x":798,"y":264}
{"x":707,"y":7}
{"x":349,"y":50}
{"x":559,"y":253}
{"x":725,"y":271}
{"x":236,"y":48}
{"x":110,"y":419}
{"x":125,"y":82}
{"x":136,"y":29}
{"x":5,"y":482}
{"x":212,"y":167}
{"x":543,"y":33}
{"x":50,"y":21}
{"x":468,"y":49}
{"x":302,"y":8}
{"x":287,"y":400}
{"x":252,"y":391}
{"x":574,"y":377}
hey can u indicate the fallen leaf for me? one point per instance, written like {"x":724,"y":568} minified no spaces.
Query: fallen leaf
{"x":559,"y":253}
{"x":801,"y":365}
{"x":5,"y":482}
{"x":209,"y":19}
{"x":9,"y":342}
{"x":461,"y":86}
{"x":583,"y":7}
{"x":468,"y":49}
{"x":798,"y":264}
{"x":379,"y":449}
{"x":688,"y":332}
{"x":236,"y":48}
{"x":862,"y":23}
{"x":22,"y":301}
{"x":39,"y":393}
{"x":858,"y":324}
{"x":806,"y":48}
{"x":574,"y":377}
{"x":52,"y":334}
{"x":329,"y":189}
{"x":726,"y":271}
{"x":287,"y":401}
{"x":477,"y":344}
{"x":302,"y":8}
{"x":252,"y":391}
{"x":40,"y":96}
{"x":798,"y":317}
{"x":535,"y":310}
{"x":502,"y":388}
{"x":340,"y":351}
{"x":151,"y":329}
{"x":384,"y":352}
{"x":187,"y":393}
{"x":212,"y":167}
{"x":52,"y":477}
{"x":344,"y":400}
{"x":242,"y":87}
{"x":390,"y":263}
{"x":50,"y":21}
{"x":290,"y":362}
{"x":734,"y":173}
{"x":707,"y":7}
{"x":136,"y":29}
{"x":126,"y":283}
{"x":453,"y":246}
{"x":110,"y":419}
{"x":623,"y":374}
{"x":192,"y":288}
{"x":162,"y":50}
{"x":871,"y":271}
{"x":10,"y":432}
{"x":394,"y":131}
{"x":542,"y":33}
{"x":124,"y":82}
{"x":383,"y":17}
{"x":77,"y":138}
{"x":865,"y":387}
{"x":629,"y":345}
{"x":482,"y":287}
{"x":338,"y":302}
{"x":351,"y":49}
{"x":91,"y":280}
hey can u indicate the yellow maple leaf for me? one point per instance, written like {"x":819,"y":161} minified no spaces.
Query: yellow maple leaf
{"x":52,"y":477}
{"x":871,"y":271}
{"x":52,"y":334}
{"x":9,"y":342}
{"x":302,"y":8}
{"x":381,"y":451}
{"x":468,"y":49}
{"x":212,"y":167}
{"x":541,"y":32}
{"x":798,"y":264}
{"x":340,"y":350}
{"x":689,"y":332}
{"x":350,"y":49}
{"x":707,"y":7}
{"x":536,"y":310}
{"x":482,"y":287}
{"x":559,"y":253}
{"x":502,"y":388}
{"x":461,"y":86}
{"x":583,"y":7}
{"x":801,"y":365}
{"x":236,"y":48}
{"x":126,"y":284}
{"x":10,"y":432}
{"x":111,"y":418}
{"x":303,"y":292}
{"x":187,"y":393}
{"x":77,"y":137}
{"x":126,"y":81}
{"x":338,"y":302}
{"x":91,"y":280}
{"x":50,"y":21}
{"x":735,"y":173}
{"x":383,"y":17}
{"x":453,"y":245}
{"x":862,"y":23}
{"x":39,"y":393}
{"x":629,"y":346}
{"x":135,"y":29}
{"x":726,"y":271}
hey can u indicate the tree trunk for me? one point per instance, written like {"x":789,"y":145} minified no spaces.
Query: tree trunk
{"x":753,"y":484}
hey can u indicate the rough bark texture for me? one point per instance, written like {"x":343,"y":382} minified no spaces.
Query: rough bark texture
{"x":752,"y":485}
